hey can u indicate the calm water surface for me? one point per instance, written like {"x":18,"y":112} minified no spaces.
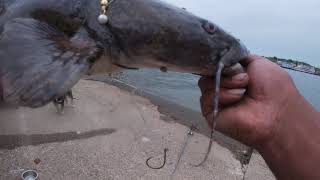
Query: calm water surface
{"x":182,"y":88}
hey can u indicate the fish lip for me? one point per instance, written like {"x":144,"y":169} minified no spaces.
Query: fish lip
{"x":235,"y":53}
{"x":229,"y":57}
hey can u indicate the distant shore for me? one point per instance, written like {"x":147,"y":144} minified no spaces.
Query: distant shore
{"x":294,"y":69}
{"x":295,"y":65}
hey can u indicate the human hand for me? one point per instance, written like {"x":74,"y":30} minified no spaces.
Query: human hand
{"x":251,"y":103}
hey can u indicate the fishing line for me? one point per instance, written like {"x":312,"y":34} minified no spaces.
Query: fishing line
{"x":183,"y":149}
{"x":213,"y":124}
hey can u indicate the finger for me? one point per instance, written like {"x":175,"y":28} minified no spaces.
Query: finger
{"x":227,"y":97}
{"x":238,"y":81}
{"x":206,"y":103}
{"x":206,"y":83}
{"x":231,"y":96}
{"x":233,"y":70}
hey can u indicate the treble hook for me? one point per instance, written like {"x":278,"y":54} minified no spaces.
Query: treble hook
{"x":164,"y":160}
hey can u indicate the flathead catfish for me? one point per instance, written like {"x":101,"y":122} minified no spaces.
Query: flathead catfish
{"x":46,"y":46}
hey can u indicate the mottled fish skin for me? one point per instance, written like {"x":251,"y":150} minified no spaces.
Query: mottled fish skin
{"x":155,"y":34}
{"x":139,"y":34}
{"x":1,"y":7}
{"x":142,"y":33}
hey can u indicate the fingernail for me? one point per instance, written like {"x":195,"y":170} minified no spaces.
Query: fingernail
{"x":238,"y":92}
{"x":240,"y":77}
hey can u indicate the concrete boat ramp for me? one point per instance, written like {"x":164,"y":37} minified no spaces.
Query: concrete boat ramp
{"x":109,"y":133}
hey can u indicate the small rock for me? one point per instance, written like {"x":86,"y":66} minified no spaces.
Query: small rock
{"x":37,"y":161}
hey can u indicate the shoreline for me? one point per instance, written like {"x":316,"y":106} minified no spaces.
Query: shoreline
{"x":175,"y":113}
{"x":293,"y":69}
{"x":294,"y":65}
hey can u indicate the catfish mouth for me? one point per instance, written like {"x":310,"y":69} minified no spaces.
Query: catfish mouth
{"x":236,"y":53}
{"x":228,"y":58}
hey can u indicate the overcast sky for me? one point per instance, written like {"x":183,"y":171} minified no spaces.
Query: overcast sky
{"x":283,"y":28}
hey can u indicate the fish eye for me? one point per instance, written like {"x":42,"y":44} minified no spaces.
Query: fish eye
{"x":209,"y":27}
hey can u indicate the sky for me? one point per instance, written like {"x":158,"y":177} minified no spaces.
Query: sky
{"x":284,"y":28}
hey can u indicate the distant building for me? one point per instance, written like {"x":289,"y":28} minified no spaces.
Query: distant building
{"x":287,"y":65}
{"x":295,"y":65}
{"x":313,"y":70}
{"x":277,"y":62}
{"x":306,"y":68}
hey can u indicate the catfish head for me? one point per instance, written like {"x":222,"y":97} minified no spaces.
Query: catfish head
{"x":154,"y":34}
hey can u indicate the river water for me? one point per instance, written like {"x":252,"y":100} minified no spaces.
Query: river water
{"x":182,"y":89}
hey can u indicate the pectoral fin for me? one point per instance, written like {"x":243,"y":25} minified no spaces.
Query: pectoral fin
{"x":38,"y":63}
